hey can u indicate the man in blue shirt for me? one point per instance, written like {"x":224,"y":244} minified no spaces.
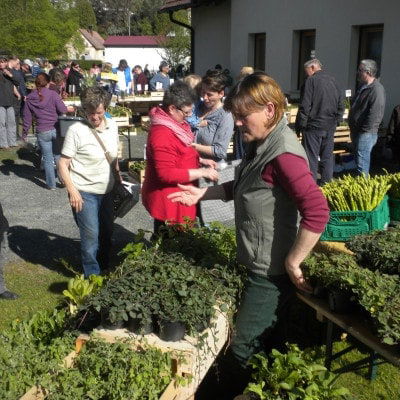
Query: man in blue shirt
{"x":161,"y":77}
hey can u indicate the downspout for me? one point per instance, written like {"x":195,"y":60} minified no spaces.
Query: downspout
{"x":172,"y":19}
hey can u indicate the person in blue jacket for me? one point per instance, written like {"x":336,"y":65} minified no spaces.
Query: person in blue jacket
{"x":124,"y":77}
{"x":161,"y":77}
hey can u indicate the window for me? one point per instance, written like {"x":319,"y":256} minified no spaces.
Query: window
{"x":306,"y":52}
{"x":259,"y":51}
{"x":370,"y":44}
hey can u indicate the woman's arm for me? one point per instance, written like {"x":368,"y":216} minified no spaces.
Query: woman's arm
{"x":191,"y":195}
{"x":27,"y":118}
{"x":75,"y":198}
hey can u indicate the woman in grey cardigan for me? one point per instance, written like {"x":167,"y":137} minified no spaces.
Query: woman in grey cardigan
{"x":213,"y":139}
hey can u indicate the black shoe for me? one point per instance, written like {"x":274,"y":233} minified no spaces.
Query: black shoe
{"x":7,"y":295}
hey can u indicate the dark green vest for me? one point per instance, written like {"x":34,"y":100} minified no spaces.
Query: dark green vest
{"x":266,"y":218}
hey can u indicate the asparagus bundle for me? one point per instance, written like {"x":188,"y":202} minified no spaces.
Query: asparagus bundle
{"x":394,"y":180}
{"x":356,"y":193}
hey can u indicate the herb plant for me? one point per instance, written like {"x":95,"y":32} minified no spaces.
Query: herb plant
{"x":378,"y":250}
{"x":292,"y":376}
{"x":111,"y":371}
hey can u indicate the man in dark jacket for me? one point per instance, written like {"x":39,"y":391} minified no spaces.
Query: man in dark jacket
{"x":366,"y":114}
{"x":4,"y":293}
{"x":320,"y":111}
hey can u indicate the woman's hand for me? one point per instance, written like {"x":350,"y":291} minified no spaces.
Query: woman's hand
{"x":296,"y":276}
{"x":208,"y":163}
{"x":75,"y":199}
{"x":210,"y":173}
{"x":189,"y":196}
{"x":70,"y":109}
{"x":203,"y":123}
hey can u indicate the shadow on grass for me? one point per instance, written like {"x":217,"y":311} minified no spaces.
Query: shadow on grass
{"x":57,"y":287}
{"x":38,"y":246}
{"x":59,"y":253}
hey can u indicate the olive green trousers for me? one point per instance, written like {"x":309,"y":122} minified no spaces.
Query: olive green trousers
{"x":264,"y":302}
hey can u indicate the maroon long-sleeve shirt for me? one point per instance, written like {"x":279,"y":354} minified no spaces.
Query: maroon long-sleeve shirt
{"x":291,"y":172}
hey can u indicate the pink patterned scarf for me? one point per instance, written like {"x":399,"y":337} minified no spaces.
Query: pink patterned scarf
{"x":181,"y":130}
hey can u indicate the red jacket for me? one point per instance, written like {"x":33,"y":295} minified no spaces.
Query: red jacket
{"x":168,"y":163}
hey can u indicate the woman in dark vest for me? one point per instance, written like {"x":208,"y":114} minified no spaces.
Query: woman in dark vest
{"x":272,"y":185}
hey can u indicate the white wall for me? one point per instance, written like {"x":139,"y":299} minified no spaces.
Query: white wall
{"x":335,"y":22}
{"x":212,"y":36}
{"x":135,"y":55}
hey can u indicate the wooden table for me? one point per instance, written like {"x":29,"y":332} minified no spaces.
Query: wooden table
{"x":355,"y":326}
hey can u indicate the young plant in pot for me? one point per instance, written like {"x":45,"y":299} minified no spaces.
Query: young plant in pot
{"x":378,"y":251}
{"x":334,"y":273}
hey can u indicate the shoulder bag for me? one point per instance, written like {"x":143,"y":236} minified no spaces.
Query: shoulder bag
{"x":123,"y":199}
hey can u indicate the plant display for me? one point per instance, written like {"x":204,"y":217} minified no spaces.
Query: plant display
{"x":30,"y":349}
{"x":79,"y":288}
{"x":377,"y":293}
{"x":88,"y":81}
{"x":378,"y":250}
{"x":356,"y":193}
{"x":119,"y":111}
{"x":110,"y":371}
{"x":163,"y":285}
{"x":138,"y":166}
{"x":291,"y":376}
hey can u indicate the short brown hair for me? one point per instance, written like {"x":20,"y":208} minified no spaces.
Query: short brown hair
{"x":93,"y":97}
{"x":254,"y":92}
{"x":215,"y":80}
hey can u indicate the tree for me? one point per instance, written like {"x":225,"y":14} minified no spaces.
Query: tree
{"x":35,"y":28}
{"x":84,"y":14}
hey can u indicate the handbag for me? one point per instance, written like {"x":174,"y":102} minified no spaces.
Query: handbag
{"x":123,"y":198}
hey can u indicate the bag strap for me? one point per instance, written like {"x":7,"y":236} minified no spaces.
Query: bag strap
{"x":106,"y":152}
{"x":107,"y":155}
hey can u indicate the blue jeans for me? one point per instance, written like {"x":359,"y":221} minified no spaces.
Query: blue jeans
{"x":48,"y":145}
{"x":362,"y":147}
{"x":95,"y":223}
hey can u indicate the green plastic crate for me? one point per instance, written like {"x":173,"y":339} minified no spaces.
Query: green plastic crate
{"x":338,"y":230}
{"x":394,"y":209}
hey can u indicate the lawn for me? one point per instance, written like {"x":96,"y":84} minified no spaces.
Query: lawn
{"x":39,"y":289}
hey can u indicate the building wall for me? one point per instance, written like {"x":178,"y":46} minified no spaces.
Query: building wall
{"x":212,"y":36}
{"x":135,"y":55}
{"x":335,"y":22}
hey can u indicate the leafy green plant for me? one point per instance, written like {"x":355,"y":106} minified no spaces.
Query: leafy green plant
{"x":378,"y":250}
{"x":292,"y":376}
{"x":79,"y":288}
{"x":111,"y":371}
{"x":138,"y":166}
{"x":377,"y":293}
{"x":119,"y":111}
{"x":30,"y":349}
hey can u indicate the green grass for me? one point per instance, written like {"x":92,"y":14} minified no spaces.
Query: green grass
{"x":39,"y":289}
{"x":386,"y":386}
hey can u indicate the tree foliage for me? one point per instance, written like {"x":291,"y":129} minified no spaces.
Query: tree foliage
{"x":114,"y":16}
{"x":37,"y":28}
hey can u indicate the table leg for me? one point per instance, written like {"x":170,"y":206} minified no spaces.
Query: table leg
{"x":372,"y":366}
{"x":329,"y":344}
{"x":129,"y":144}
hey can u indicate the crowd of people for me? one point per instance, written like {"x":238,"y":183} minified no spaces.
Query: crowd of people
{"x":275,"y":182}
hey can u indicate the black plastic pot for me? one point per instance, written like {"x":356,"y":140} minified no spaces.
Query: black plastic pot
{"x":88,"y":320}
{"x":171,"y":331}
{"x":135,"y":325}
{"x":340,"y":301}
{"x":107,"y":324}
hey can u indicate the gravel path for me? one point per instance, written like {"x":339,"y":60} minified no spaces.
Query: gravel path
{"x":42,"y":229}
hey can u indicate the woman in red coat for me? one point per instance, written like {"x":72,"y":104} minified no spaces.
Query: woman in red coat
{"x":170,"y":158}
